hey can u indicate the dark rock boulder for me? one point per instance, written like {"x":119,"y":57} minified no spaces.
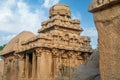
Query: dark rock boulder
{"x":89,"y":70}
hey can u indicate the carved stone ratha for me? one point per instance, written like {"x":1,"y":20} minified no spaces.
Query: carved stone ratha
{"x":53,"y":54}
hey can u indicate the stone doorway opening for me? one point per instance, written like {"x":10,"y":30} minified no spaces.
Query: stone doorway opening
{"x":30,"y":65}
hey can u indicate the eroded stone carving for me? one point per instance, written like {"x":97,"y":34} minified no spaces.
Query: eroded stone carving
{"x":39,"y":51}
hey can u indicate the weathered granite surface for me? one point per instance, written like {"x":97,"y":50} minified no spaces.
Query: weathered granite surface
{"x":89,"y":70}
{"x":107,"y":20}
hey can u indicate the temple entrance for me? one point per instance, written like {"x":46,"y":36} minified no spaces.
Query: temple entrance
{"x":30,"y":65}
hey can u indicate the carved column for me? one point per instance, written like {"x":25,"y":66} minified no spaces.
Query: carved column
{"x":79,"y":59}
{"x":21,"y":67}
{"x":38,"y":54}
{"x":27,"y":67}
{"x":107,"y":20}
{"x":49,"y":65}
{"x":65,"y":71}
{"x":71,"y":62}
{"x":44,"y":64}
{"x":8,"y":69}
{"x":15,"y":66}
{"x":5,"y":69}
{"x":43,"y":67}
{"x":56,"y":63}
{"x":34,"y":66}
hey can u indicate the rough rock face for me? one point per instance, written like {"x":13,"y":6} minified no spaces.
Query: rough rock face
{"x":107,"y":20}
{"x":1,"y":68}
{"x":89,"y":70}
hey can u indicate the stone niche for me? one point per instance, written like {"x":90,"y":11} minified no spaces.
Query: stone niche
{"x":107,"y":20}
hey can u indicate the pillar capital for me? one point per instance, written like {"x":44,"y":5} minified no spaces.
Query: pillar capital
{"x":39,"y":51}
{"x":55,"y":52}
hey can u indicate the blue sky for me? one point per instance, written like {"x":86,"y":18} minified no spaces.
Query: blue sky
{"x":19,"y":15}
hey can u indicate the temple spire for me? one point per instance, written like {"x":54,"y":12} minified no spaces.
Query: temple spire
{"x":60,"y":20}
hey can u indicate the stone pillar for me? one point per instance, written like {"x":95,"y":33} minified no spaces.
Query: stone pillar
{"x":45,"y":65}
{"x":71,"y":65}
{"x":21,"y":66}
{"x":56,"y":63}
{"x":57,"y":68}
{"x":65,"y":68}
{"x":107,"y":20}
{"x":72,"y":57}
{"x":5,"y":69}
{"x":27,"y":67}
{"x":79,"y":59}
{"x":38,"y":67}
{"x":21,"y":69}
{"x":38,"y":54}
{"x":34,"y":66}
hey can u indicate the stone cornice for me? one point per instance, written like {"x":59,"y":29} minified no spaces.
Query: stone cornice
{"x":59,"y":40}
{"x":51,"y":46}
{"x":98,"y":5}
{"x":64,"y":23}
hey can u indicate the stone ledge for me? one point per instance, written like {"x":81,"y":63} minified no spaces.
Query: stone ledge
{"x":97,"y":5}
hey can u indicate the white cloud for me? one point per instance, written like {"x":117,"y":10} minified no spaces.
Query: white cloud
{"x":88,"y":31}
{"x":76,"y":15}
{"x":15,"y":16}
{"x":49,"y":3}
{"x":5,"y":39}
{"x":92,"y":33}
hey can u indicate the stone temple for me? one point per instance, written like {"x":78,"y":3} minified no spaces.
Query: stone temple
{"x":52,"y":54}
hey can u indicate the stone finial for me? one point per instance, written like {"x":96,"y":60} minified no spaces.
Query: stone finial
{"x":60,"y":9}
{"x":97,"y":5}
